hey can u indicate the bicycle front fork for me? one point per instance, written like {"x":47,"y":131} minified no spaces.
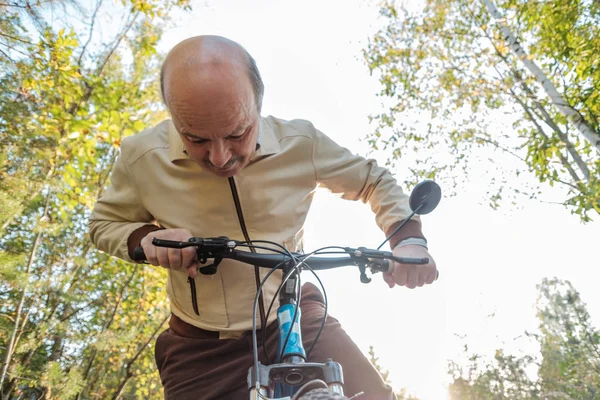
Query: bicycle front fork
{"x":269,"y":376}
{"x":292,"y":371}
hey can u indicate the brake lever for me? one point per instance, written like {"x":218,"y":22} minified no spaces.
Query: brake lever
{"x":364,"y":253}
{"x":367,"y":258}
{"x":205,"y":248}
{"x":172,"y":244}
{"x":219,"y":243}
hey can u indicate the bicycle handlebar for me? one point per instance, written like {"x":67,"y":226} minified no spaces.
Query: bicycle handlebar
{"x":220,"y":248}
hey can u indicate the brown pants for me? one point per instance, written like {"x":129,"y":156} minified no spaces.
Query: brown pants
{"x":196,"y":364}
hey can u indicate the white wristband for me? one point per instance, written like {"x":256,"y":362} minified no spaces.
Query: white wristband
{"x":411,"y":241}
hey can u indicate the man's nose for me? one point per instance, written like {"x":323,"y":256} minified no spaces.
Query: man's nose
{"x":219,"y":154}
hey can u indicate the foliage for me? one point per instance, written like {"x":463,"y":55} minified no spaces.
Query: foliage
{"x":74,"y":323}
{"x":488,"y":100}
{"x":567,"y":366}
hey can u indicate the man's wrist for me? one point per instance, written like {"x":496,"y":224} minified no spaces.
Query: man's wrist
{"x":412,"y":228}
{"x":136,"y":236}
{"x":410,"y":241}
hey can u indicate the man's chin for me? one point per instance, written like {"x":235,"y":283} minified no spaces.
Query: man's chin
{"x":223,"y":172}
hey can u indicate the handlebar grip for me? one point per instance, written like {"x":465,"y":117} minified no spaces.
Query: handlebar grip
{"x":414,"y":260}
{"x":418,"y":261}
{"x":138,"y":254}
{"x":385,"y":264}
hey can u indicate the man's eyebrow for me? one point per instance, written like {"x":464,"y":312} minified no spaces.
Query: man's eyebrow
{"x":241,"y":128}
{"x":189,"y":135}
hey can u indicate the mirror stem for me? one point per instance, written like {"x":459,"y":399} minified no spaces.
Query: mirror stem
{"x":400,"y":226}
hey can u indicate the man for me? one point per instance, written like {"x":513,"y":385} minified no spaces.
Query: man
{"x":218,"y":168}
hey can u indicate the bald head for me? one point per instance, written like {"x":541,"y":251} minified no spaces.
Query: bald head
{"x":209,"y":56}
{"x":213,"y":91}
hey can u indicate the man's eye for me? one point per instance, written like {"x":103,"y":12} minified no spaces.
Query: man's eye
{"x":235,"y":138}
{"x":198,"y":141}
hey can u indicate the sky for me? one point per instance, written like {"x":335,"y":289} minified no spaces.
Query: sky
{"x":309,"y":55}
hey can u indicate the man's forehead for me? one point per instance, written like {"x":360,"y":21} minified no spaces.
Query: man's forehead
{"x":196,"y":113}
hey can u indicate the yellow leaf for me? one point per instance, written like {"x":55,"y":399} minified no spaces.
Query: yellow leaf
{"x":102,"y":135}
{"x":113,"y":128}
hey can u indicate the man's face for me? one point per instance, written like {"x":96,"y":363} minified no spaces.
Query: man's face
{"x":218,"y":124}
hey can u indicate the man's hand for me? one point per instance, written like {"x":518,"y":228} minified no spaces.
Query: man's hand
{"x":411,"y":276}
{"x":171,"y":258}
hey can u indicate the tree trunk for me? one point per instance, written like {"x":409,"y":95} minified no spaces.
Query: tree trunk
{"x":12,"y":343}
{"x":557,"y":99}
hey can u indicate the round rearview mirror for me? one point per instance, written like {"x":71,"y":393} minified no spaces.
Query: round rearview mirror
{"x":425,"y":197}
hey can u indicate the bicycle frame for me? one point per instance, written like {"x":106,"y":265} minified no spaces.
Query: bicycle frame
{"x":284,"y":378}
{"x":291,"y":372}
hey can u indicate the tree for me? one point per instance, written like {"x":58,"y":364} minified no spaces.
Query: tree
{"x":567,"y":366}
{"x":471,"y":68}
{"x":74,"y":323}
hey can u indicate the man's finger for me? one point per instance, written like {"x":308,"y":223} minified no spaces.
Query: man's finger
{"x":422,"y":278}
{"x":188,"y":255}
{"x":389,"y":279}
{"x":412,"y":278}
{"x":192,"y":270}
{"x":174,"y":256}
{"x":431,"y":277}
{"x":162,"y":254}
{"x":400,"y":274}
{"x":150,"y":252}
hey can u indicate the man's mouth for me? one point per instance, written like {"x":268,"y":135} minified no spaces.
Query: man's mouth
{"x":228,"y":166}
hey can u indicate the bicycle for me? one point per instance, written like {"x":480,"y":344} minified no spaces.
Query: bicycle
{"x":291,"y":377}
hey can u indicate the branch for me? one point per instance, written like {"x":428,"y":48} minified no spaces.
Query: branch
{"x":557,"y":395}
{"x":27,"y":7}
{"x":527,"y":111}
{"x":121,"y":295}
{"x":557,"y":99}
{"x":98,"y":5}
{"x":13,"y":338}
{"x":10,"y":318}
{"x":76,"y":311}
{"x":71,"y":282}
{"x":590,"y":339}
{"x":14,"y":38}
{"x":565,"y":139}
{"x":557,"y":203}
{"x":102,"y":182}
{"x":132,"y":361}
{"x":545,"y":116}
{"x":550,"y":122}
{"x":14,"y":49}
{"x":104,"y":328}
{"x":563,"y":159}
{"x":26,"y":359}
{"x":89,"y":89}
{"x":7,"y":56}
{"x":116,"y":44}
{"x":49,"y":175}
{"x":495,"y":144}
